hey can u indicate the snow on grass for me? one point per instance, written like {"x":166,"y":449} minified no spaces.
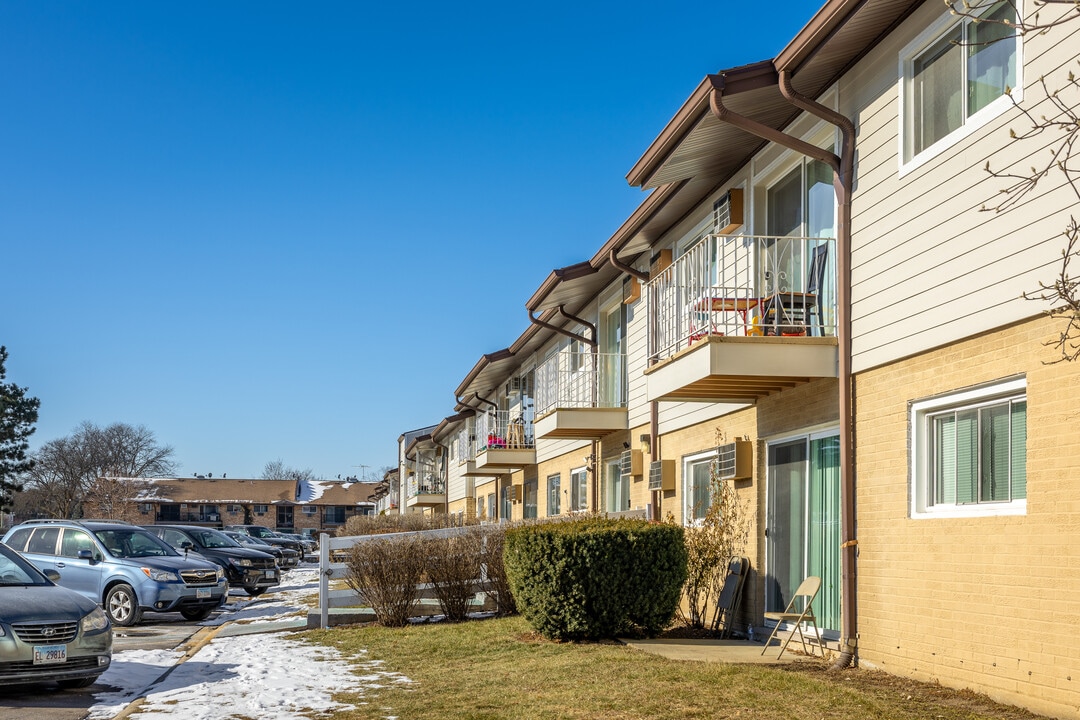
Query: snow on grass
{"x":266,"y":676}
{"x":270,"y":676}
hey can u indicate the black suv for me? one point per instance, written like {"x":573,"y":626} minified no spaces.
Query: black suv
{"x":252,"y":570}
{"x":267,"y":535}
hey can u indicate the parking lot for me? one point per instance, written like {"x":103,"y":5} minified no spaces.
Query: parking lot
{"x":157,"y":632}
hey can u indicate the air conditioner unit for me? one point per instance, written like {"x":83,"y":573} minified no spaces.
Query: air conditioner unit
{"x":214,"y":518}
{"x":662,"y":475}
{"x":734,"y":461}
{"x":728,"y":212}
{"x":630,"y":463}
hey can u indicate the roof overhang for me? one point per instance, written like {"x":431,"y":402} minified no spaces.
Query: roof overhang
{"x":703,"y":154}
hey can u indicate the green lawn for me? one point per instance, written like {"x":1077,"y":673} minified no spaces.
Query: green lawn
{"x":500,"y":669}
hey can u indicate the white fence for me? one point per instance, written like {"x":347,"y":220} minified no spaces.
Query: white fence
{"x":330,"y":570}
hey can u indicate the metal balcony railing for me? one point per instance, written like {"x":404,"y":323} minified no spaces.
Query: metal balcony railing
{"x":741,"y":285}
{"x":426,"y":483}
{"x":580,"y":380}
{"x":499,"y":430}
{"x":464,"y":445}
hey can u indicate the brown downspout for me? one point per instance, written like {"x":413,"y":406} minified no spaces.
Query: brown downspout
{"x":843,"y":182}
{"x":654,"y":406}
{"x":843,"y":167}
{"x":620,"y":265}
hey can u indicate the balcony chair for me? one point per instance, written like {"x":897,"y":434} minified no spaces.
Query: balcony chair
{"x":806,"y":592}
{"x":786,"y":313}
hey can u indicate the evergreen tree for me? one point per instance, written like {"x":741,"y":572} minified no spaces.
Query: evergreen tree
{"x":18,"y":413}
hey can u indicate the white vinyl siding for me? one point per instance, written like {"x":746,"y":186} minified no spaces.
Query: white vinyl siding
{"x":927,"y":267}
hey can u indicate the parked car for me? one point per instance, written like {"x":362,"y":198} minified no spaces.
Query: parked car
{"x":47,"y":632}
{"x":253,"y":570}
{"x":310,"y":546}
{"x":265,"y":533}
{"x":121,"y":566}
{"x":286,"y":558}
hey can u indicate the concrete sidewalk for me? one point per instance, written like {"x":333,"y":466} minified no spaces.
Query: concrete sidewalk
{"x":725,"y":651}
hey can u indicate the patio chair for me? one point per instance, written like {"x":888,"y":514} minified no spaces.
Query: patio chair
{"x":806,"y":592}
{"x":730,"y":598}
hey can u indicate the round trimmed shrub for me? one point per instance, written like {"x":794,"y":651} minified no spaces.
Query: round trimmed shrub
{"x":595,"y":578}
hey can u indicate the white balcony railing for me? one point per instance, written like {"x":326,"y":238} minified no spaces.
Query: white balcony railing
{"x":743,"y":286}
{"x":425,"y":483}
{"x":580,"y":380}
{"x":498,"y":430}
{"x":465,"y":445}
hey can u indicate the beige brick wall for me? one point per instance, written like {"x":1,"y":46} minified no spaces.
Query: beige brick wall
{"x":984,"y":603}
{"x":806,"y":406}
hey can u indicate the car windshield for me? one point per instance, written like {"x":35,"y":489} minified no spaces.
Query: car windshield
{"x":16,"y":571}
{"x":133,"y":543}
{"x":214,"y":539}
{"x":261,"y":532}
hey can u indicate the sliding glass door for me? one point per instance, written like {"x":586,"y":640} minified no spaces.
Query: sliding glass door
{"x":802,"y":535}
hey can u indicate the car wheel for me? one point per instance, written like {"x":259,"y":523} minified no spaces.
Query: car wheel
{"x":196,"y":613}
{"x":76,"y":683}
{"x":122,"y":606}
{"x":255,"y":591}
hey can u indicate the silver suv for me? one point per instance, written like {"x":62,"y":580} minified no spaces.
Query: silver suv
{"x":121,"y":566}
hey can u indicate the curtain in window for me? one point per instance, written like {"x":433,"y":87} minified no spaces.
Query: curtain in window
{"x":823,"y":536}
{"x":991,"y":61}
{"x":1018,"y":445}
{"x":701,"y":495}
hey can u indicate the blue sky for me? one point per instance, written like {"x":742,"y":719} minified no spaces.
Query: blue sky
{"x":288,"y":230}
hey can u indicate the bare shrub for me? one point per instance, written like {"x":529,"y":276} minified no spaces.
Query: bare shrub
{"x":496,"y":583}
{"x":382,"y":524}
{"x":721,"y":534}
{"x":454,"y":572}
{"x":385,"y":573}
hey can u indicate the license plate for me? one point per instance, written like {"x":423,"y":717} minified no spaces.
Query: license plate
{"x":271,"y":573}
{"x":201,"y":593}
{"x":50,"y":654}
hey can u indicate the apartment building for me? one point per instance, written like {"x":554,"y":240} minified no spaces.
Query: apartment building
{"x":810,"y":302}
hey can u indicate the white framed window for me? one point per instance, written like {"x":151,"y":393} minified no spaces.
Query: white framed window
{"x":260,"y":509}
{"x":969,"y":452}
{"x":697,"y":485}
{"x":955,"y":76}
{"x":579,"y":490}
{"x":310,"y":510}
{"x":554,"y":494}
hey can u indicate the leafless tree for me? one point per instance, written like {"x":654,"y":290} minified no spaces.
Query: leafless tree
{"x":67,"y":470}
{"x":278,"y":470}
{"x":1058,"y":126}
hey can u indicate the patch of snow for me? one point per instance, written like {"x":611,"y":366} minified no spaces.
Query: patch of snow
{"x":271,"y":676}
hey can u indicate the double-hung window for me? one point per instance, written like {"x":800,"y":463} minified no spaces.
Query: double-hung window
{"x":697,"y":489}
{"x":969,"y":452}
{"x":956,"y":77}
{"x":579,"y":490}
{"x":554,"y":481}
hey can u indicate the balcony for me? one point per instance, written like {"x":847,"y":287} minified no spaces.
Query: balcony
{"x":581,"y":395}
{"x":426,"y":491}
{"x":736,"y":318}
{"x":504,"y":443}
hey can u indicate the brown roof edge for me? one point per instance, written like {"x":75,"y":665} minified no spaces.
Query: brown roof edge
{"x":650,"y":205}
{"x":485,"y":360}
{"x":416,"y":441}
{"x":814,"y":33}
{"x":672,"y":134}
{"x":557,"y":276}
{"x":447,"y":422}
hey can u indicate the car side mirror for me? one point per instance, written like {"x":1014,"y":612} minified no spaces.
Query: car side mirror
{"x":86,"y":555}
{"x":52,"y":575}
{"x":186,"y":545}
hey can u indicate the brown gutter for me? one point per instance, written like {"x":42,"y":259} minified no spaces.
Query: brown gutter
{"x":557,"y":276}
{"x":843,"y":181}
{"x":563,"y":331}
{"x":480,"y":399}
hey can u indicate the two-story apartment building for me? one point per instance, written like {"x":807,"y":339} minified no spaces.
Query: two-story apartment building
{"x":809,"y":302}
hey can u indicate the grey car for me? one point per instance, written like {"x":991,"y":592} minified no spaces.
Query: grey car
{"x":48,"y":633}
{"x":121,"y":566}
